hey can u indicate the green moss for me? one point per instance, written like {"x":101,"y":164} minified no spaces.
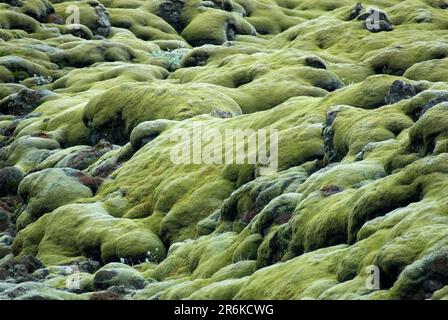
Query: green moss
{"x":90,"y":13}
{"x":203,"y":263}
{"x":81,"y":54}
{"x":247,"y":249}
{"x":37,"y":190}
{"x":249,"y":76}
{"x":431,"y":70}
{"x":349,"y":139}
{"x":150,"y":102}
{"x":37,"y":291}
{"x":15,"y":20}
{"x":61,"y":282}
{"x":420,"y":279}
{"x":278,"y":211}
{"x":222,"y":27}
{"x":441,"y":294}
{"x":219,"y":290}
{"x":362,"y":174}
{"x":80,"y":31}
{"x":87,"y":229}
{"x":117,"y":274}
{"x":6,"y":75}
{"x":21,"y":68}
{"x":142,"y":23}
{"x":153,"y":290}
{"x":39,"y":9}
{"x":183,"y":289}
{"x":27,"y":152}
{"x":287,"y":280}
{"x":429,"y":133}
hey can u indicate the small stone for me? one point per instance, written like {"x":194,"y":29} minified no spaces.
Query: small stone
{"x":331,"y":154}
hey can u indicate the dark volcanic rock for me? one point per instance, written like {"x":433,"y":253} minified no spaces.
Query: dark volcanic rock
{"x":356,"y":11}
{"x":171,"y":11}
{"x":315,"y":62}
{"x":330,"y":190}
{"x":21,"y":270}
{"x":328,"y":135}
{"x":400,"y":90}
{"x":4,"y":219}
{"x":89,"y":266}
{"x":31,"y":263}
{"x":14,"y":3}
{"x":102,"y":25}
{"x":443,"y":97}
{"x":10,"y":178}
{"x":82,"y":159}
{"x":421,"y":279}
{"x":23,"y":102}
{"x":195,"y":59}
{"x":225,"y":5}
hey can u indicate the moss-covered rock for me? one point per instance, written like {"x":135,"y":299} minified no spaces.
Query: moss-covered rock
{"x":10,"y":178}
{"x":37,"y":291}
{"x":116,"y":274}
{"x":88,"y":230}
{"x":37,"y":189}
{"x":112,"y":116}
{"x":91,"y":111}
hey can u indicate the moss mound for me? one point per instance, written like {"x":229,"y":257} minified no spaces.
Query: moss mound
{"x":92,"y":205}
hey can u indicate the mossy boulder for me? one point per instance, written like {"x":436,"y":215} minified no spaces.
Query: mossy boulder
{"x":116,"y":274}
{"x":90,"y":232}
{"x":112,"y":116}
{"x":23,"y":102}
{"x":91,"y":113}
{"x":37,"y":190}
{"x":37,"y":291}
{"x":10,"y":178}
